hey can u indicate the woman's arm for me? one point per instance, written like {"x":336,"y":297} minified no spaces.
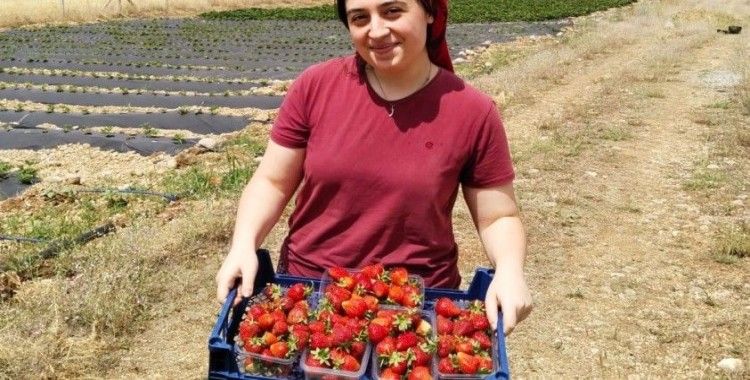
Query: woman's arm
{"x":496,"y":217}
{"x":260,"y":207}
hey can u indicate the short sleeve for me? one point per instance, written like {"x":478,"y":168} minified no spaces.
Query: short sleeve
{"x":291,"y":128}
{"x":489,"y":163}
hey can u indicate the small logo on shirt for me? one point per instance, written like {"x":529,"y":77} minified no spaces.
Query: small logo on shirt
{"x":428,"y":145}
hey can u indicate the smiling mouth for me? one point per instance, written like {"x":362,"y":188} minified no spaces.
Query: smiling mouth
{"x":383,"y":48}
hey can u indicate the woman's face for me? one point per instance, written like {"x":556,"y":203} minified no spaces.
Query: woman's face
{"x":389,"y":34}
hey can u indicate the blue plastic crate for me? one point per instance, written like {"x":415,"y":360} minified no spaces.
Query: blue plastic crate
{"x":222,"y":365}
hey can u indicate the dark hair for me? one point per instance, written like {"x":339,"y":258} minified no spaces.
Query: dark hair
{"x":341,"y":9}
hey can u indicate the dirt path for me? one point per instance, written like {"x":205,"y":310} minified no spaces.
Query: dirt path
{"x":628,"y":287}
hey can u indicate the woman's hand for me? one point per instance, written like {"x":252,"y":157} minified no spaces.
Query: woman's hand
{"x":510,"y":292}
{"x":238,"y":264}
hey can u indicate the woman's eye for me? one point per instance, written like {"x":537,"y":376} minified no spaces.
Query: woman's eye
{"x":393,"y":11}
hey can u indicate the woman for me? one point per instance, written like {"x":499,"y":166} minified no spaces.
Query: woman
{"x":380,"y":142}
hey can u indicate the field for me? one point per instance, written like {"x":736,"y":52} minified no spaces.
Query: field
{"x":629,"y":128}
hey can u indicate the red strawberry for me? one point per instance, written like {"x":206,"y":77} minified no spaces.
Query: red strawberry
{"x":317,"y":326}
{"x":248,"y":329}
{"x":421,"y":357}
{"x":280,"y":328}
{"x":363,"y":281}
{"x":399,"y":276}
{"x":398,"y":363}
{"x":380,"y":289}
{"x":319,"y":340}
{"x":355,"y":308}
{"x":372,"y":303}
{"x":301,"y":335}
{"x":447,"y":308}
{"x":312,"y":361}
{"x":480,"y":321}
{"x":373,"y":271}
{"x":483,"y":339}
{"x":350,"y":364}
{"x":341,"y":335}
{"x":485,"y":364}
{"x":386,"y":346}
{"x":266,"y":321}
{"x":269,"y":338}
{"x":346,"y":282}
{"x":396,"y":294}
{"x":411,"y":297}
{"x":388,"y":374}
{"x":467,"y":364}
{"x":279,"y":349}
{"x":296,"y":316}
{"x":406,"y":340}
{"x":298,"y":291}
{"x":337,"y":272}
{"x":256,"y":311}
{"x":445,"y":345}
{"x":420,"y":373}
{"x":462,"y":327}
{"x":376,"y":332}
{"x":445,"y":365}
{"x":358,"y":349}
{"x":464,"y":346}
{"x":444,"y":325}
{"x":278,"y":315}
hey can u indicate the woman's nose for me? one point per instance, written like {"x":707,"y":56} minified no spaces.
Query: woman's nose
{"x":378,"y":28}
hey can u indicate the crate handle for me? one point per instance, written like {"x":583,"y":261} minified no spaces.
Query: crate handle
{"x":218,"y":334}
{"x":502,"y":353}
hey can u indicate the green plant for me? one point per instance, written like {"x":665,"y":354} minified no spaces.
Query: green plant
{"x":733,"y":243}
{"x":50,"y":108}
{"x":27,"y":174}
{"x":183,"y":110}
{"x":4,"y":169}
{"x":108,"y":131}
{"x":148,"y":130}
{"x":19,"y":107}
{"x":178,"y":138}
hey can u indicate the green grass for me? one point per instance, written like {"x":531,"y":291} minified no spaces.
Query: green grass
{"x":27,"y":174}
{"x":733,"y":244}
{"x":4,"y":169}
{"x":460,"y":11}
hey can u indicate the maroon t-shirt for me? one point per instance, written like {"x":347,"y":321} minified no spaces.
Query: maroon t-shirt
{"x":382,"y":189}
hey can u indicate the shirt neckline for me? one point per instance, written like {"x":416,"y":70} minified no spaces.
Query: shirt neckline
{"x":379,"y":100}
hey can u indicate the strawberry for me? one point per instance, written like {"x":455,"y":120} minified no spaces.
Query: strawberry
{"x":373,"y":271}
{"x":346,"y":282}
{"x":386,"y":346}
{"x":269,"y":338}
{"x":380,"y":289}
{"x":363,"y":281}
{"x":464,"y":346}
{"x":445,"y":365}
{"x":350,"y":364}
{"x":444,"y":325}
{"x":278,"y":315}
{"x":445,"y":345}
{"x":420,"y":373}
{"x":280,"y":328}
{"x":480,"y":321}
{"x":483,"y":339}
{"x":317,"y":326}
{"x":462,"y":327}
{"x":466,"y":363}
{"x":358,"y":348}
{"x":355,"y":308}
{"x":312,"y":361}
{"x":412,"y":297}
{"x":421,"y":357}
{"x":376,"y":332}
{"x":398,"y":363}
{"x":300,"y":335}
{"x":248,"y":329}
{"x":396,"y":294}
{"x":256,"y":311}
{"x":266,"y":321}
{"x":341,"y":335}
{"x":485,"y":364}
{"x":388,"y":374}
{"x":337,"y":272}
{"x":319,"y":340}
{"x":447,"y":308}
{"x":296,"y":316}
{"x":298,"y":291}
{"x":406,"y":340}
{"x":399,"y":276}
{"x":279,"y":349}
{"x":372,"y":303}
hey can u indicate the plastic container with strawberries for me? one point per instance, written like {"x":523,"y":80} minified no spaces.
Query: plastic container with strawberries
{"x":403,"y":344}
{"x":314,"y":372}
{"x":465,"y":344}
{"x":394,"y":287}
{"x":274,"y":330}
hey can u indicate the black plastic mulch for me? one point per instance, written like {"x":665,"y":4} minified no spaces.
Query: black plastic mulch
{"x":10,"y":186}
{"x":36,"y":139}
{"x":143,"y":100}
{"x":130,"y":84}
{"x":205,"y":124}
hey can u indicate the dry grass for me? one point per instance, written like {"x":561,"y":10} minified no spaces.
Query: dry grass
{"x":15,"y":13}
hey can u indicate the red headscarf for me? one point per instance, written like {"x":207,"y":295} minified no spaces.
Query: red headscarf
{"x":437,"y":46}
